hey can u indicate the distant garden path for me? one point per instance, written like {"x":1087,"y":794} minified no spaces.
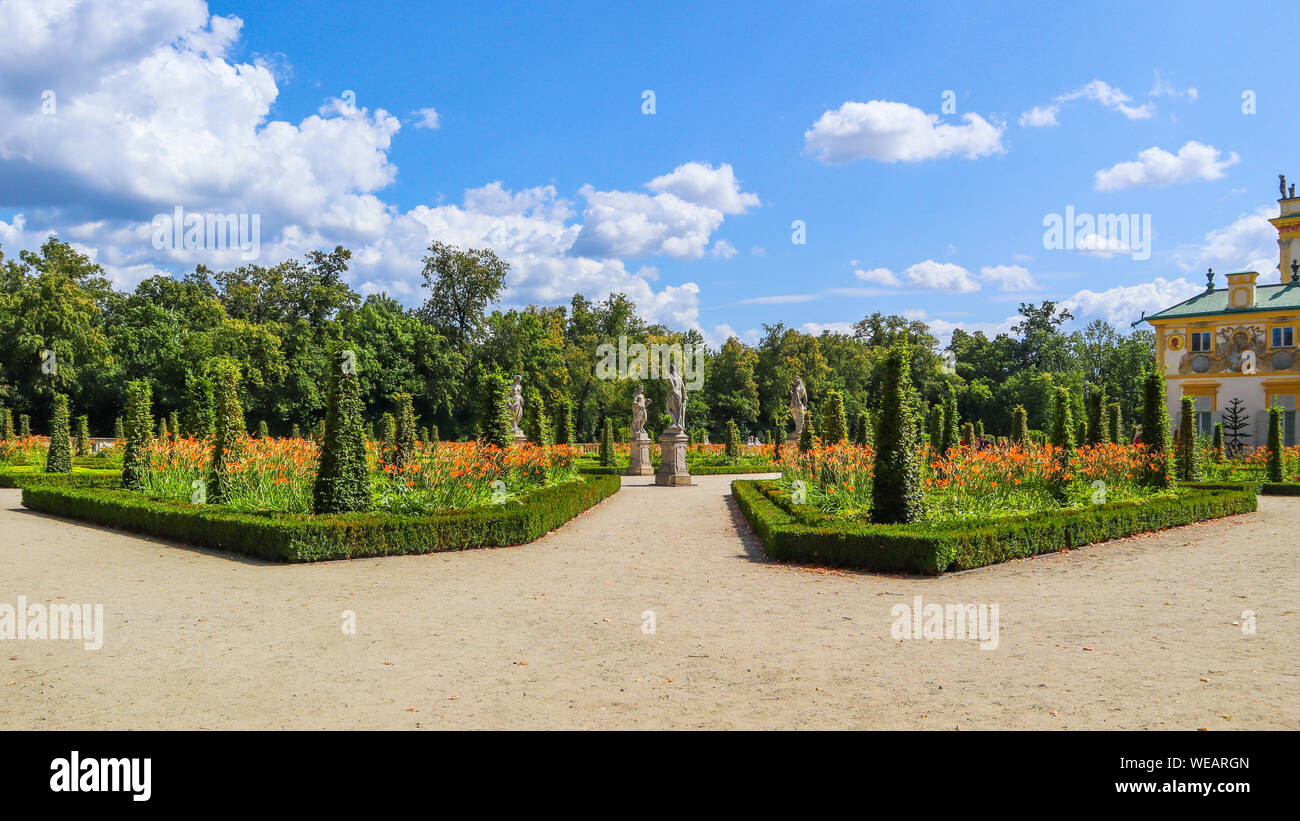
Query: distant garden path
{"x":1136,"y":633}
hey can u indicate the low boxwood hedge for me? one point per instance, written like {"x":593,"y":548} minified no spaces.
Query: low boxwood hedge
{"x":801,"y":533}
{"x":22,"y":475}
{"x":695,"y":470}
{"x":1280,"y":488}
{"x":298,"y":537}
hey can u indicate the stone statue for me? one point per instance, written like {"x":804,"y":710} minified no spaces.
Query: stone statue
{"x":1281,"y":185}
{"x":798,"y":406}
{"x":639,"y":403}
{"x":517,"y":404}
{"x":1292,"y":194}
{"x":676,"y":399}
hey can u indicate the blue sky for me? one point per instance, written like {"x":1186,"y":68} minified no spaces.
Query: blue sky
{"x":539,"y":109}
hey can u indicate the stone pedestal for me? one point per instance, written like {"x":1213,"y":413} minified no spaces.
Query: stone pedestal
{"x":638,"y":461}
{"x":792,"y":440}
{"x":672,"y":462}
{"x":520,"y":439}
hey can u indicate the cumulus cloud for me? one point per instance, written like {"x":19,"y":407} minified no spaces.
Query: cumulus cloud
{"x":1109,"y":97}
{"x":941,"y":276}
{"x":677,"y":221}
{"x":152,"y":112}
{"x":1009,"y":277}
{"x":723,"y":249}
{"x":893,"y":132}
{"x":1249,"y":243}
{"x":1124,"y":304}
{"x":705,"y":185}
{"x":1194,"y":162}
{"x":880,"y":276}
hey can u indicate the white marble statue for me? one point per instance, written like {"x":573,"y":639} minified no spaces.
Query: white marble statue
{"x":798,"y":406}
{"x":517,"y":404}
{"x":639,"y":404}
{"x":676,"y":399}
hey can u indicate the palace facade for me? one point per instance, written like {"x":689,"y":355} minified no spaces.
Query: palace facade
{"x":1239,"y":342}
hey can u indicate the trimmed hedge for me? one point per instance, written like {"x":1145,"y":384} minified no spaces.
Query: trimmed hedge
{"x":17,"y":476}
{"x":695,"y":470}
{"x":801,"y":533}
{"x":1280,"y":489}
{"x":300,"y":537}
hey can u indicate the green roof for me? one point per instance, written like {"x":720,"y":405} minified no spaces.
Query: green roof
{"x":1208,"y":303}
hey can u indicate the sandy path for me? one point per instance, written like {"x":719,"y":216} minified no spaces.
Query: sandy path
{"x":1134,"y":634}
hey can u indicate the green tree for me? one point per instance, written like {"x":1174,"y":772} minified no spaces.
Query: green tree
{"x":139,"y":430}
{"x":896,"y":484}
{"x":808,"y":436}
{"x":1186,"y":454}
{"x":1063,"y":428}
{"x":229,"y":433}
{"x":461,"y":285}
{"x":834,"y":425}
{"x":1020,"y":426}
{"x":564,"y":421}
{"x":1275,"y":457}
{"x":58,"y":458}
{"x":536,"y":426}
{"x":343,"y":480}
{"x":1155,"y":431}
{"x":496,"y":420}
{"x":1098,"y":430}
{"x":404,"y":431}
{"x":732,"y":447}
{"x":83,"y":435}
{"x":607,"y":444}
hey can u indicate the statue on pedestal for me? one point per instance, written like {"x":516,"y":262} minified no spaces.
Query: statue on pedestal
{"x":639,"y":404}
{"x":676,"y":399}
{"x":516,"y":405}
{"x":798,"y":407}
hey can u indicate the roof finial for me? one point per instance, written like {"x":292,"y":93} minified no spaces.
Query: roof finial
{"x":1209,"y":280}
{"x":1281,"y":185}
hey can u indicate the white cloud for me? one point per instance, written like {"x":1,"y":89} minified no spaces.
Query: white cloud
{"x":943,"y":328}
{"x":153,"y":112}
{"x":1102,"y":247}
{"x":893,"y":132}
{"x":722,"y":248}
{"x":941,"y":276}
{"x":721,"y":333}
{"x":677,"y":221}
{"x":1155,"y":166}
{"x":880,"y":276}
{"x":1123,"y":305}
{"x":1111,"y":98}
{"x":816,"y":328}
{"x":1040,"y":116}
{"x":705,"y":185}
{"x":1163,"y":88}
{"x":1009,"y":277}
{"x":1249,"y":243}
{"x":427,"y":118}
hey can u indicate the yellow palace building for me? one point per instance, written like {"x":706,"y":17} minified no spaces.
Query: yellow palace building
{"x":1239,"y":341}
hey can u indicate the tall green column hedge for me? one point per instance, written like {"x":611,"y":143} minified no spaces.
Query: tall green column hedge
{"x":1275,"y":444}
{"x":343,"y":481}
{"x":1155,"y":430}
{"x":138,"y":433}
{"x":896,"y":485}
{"x":1186,"y":461}
{"x":404,"y":432}
{"x":58,"y":458}
{"x":229,"y":426}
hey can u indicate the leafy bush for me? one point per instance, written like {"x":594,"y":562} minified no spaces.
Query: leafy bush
{"x":343,"y":481}
{"x":229,"y":435}
{"x":139,"y":431}
{"x":834,"y":424}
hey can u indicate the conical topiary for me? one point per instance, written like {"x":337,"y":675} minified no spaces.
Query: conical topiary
{"x":139,"y":430}
{"x":1155,"y":431}
{"x":404,"y":431}
{"x":1020,"y":426}
{"x":808,"y":436}
{"x":343,"y":481}
{"x":495,"y":419}
{"x":58,"y":458}
{"x":896,"y":483}
{"x":834,"y":424}
{"x":119,"y":429}
{"x":7,"y":424}
{"x":607,"y":444}
{"x":1186,"y":456}
{"x":228,"y":439}
{"x":24,"y":425}
{"x":1115,"y":422}
{"x":83,"y":435}
{"x":1275,"y":471}
{"x":732,"y":446}
{"x":537,"y":427}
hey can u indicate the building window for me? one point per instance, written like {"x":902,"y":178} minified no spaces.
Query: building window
{"x":1201,"y":342}
{"x":1284,"y":337}
{"x":1204,"y":423}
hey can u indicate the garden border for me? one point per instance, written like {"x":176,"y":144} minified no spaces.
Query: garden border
{"x":300,"y":537}
{"x":800,"y":533}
